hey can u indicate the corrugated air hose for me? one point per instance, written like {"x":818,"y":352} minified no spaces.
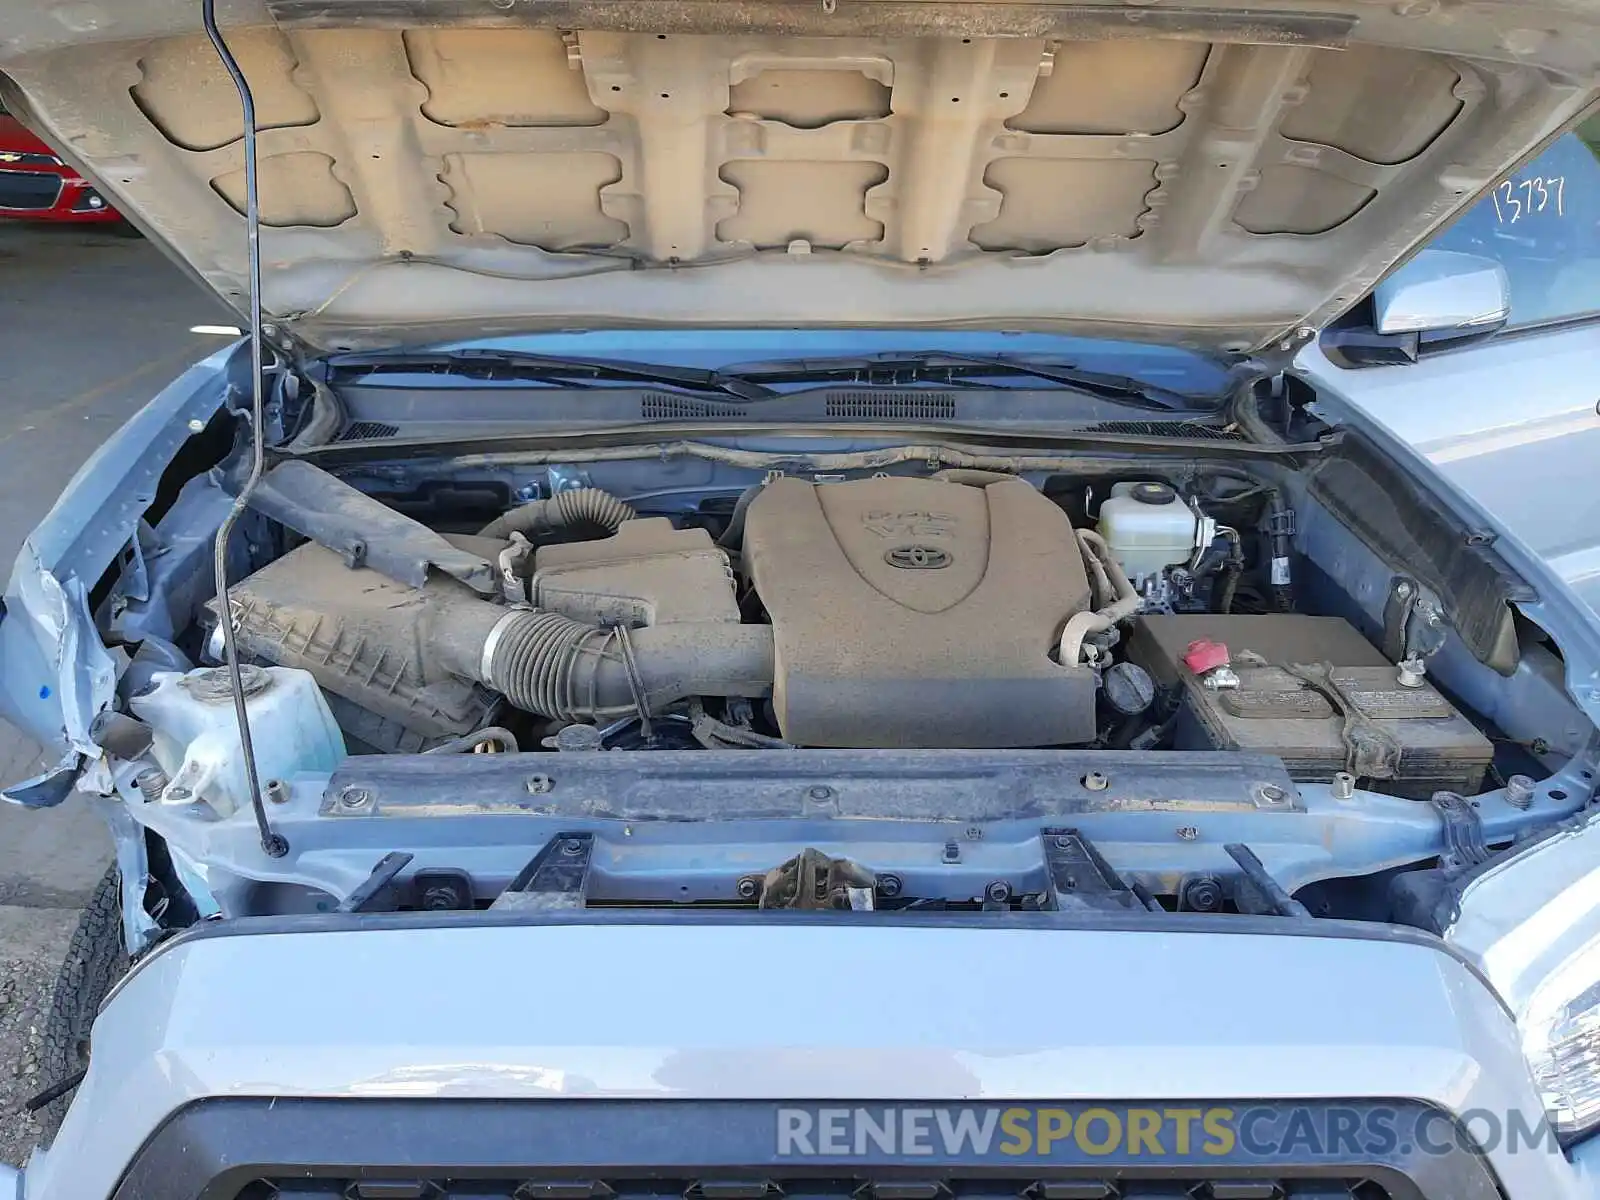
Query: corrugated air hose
{"x":584,"y":509}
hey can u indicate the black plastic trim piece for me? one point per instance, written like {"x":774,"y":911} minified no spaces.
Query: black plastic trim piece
{"x":1413,"y":533}
{"x":214,"y":1148}
{"x":383,"y":874}
{"x":363,"y":531}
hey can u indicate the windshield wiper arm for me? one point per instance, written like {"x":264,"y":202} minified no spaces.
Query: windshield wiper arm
{"x":955,"y":367}
{"x":485,"y":362}
{"x":1111,"y":387}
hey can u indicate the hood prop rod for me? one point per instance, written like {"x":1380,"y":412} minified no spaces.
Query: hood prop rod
{"x":273,"y":844}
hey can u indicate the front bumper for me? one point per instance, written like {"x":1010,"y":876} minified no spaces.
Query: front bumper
{"x":619,"y":1049}
{"x":51,"y":194}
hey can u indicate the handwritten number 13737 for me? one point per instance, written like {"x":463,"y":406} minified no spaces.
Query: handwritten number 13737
{"x":1513,"y":201}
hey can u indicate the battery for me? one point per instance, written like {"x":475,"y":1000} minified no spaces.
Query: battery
{"x":1276,"y":711}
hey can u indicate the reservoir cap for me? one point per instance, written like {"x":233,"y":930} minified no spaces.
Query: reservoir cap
{"x":1153,"y":493}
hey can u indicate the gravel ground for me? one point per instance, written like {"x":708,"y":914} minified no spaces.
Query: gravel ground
{"x":34,"y":939}
{"x":91,"y":326}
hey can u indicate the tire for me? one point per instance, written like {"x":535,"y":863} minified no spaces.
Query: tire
{"x":96,"y":958}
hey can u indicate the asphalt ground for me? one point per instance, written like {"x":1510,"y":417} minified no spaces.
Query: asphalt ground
{"x":91,"y":326}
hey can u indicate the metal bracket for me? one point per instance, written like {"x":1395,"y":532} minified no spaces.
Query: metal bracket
{"x":556,"y":878}
{"x":1280,"y":523}
{"x":812,"y":880}
{"x":1080,"y":879}
{"x":1414,"y":626}
{"x":1464,"y":846}
{"x":1397,"y":609}
{"x":567,"y":479}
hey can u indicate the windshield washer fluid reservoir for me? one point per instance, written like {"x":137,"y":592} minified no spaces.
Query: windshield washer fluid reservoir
{"x":1148,"y":528}
{"x":197,"y":736}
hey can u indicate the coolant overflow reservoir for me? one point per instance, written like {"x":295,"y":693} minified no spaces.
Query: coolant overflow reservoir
{"x":197,"y":737}
{"x":1149,"y":528}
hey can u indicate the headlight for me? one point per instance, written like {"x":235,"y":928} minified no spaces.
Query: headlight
{"x":1532,"y":922}
{"x":1561,"y":1037}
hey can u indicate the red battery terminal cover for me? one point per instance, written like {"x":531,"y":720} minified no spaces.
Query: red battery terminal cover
{"x":1205,"y":655}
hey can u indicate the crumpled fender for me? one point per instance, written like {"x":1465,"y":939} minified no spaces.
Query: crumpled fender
{"x":48,"y":633}
{"x":55,"y":672}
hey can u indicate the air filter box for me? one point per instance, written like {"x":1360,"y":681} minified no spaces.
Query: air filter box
{"x":1273,"y":711}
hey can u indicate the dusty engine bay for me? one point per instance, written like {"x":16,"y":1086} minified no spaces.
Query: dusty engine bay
{"x":692,"y":673}
{"x":959,"y":610}
{"x":900,"y":613}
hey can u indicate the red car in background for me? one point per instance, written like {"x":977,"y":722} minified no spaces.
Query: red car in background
{"x":38,"y":186}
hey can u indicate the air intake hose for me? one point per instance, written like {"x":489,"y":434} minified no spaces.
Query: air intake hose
{"x":552,"y":665}
{"x":590,"y":509}
{"x":385,"y":645}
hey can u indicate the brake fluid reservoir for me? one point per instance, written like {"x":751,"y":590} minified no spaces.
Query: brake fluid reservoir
{"x":197,"y":736}
{"x":1148,"y":528}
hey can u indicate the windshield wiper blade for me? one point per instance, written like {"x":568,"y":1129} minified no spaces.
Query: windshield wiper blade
{"x":953,"y":367}
{"x":487,"y":363}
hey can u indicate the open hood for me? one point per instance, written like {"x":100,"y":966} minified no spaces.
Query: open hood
{"x":1222,"y":177}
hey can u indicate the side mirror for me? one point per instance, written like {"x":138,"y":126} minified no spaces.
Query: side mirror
{"x":1443,"y":292}
{"x":1438,"y":298}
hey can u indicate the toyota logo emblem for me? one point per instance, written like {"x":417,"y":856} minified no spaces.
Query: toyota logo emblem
{"x":917,"y":558}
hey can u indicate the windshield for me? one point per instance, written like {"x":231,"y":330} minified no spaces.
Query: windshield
{"x":1166,"y":368}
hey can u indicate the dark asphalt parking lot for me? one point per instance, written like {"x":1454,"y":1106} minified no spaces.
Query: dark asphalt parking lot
{"x":91,"y":326}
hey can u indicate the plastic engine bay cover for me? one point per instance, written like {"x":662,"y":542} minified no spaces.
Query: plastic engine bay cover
{"x":912,"y":613}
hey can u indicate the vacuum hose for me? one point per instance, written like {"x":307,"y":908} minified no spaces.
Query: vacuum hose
{"x":584,"y":509}
{"x":1124,"y":603}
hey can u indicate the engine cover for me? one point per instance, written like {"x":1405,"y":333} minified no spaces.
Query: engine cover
{"x":920,"y":613}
